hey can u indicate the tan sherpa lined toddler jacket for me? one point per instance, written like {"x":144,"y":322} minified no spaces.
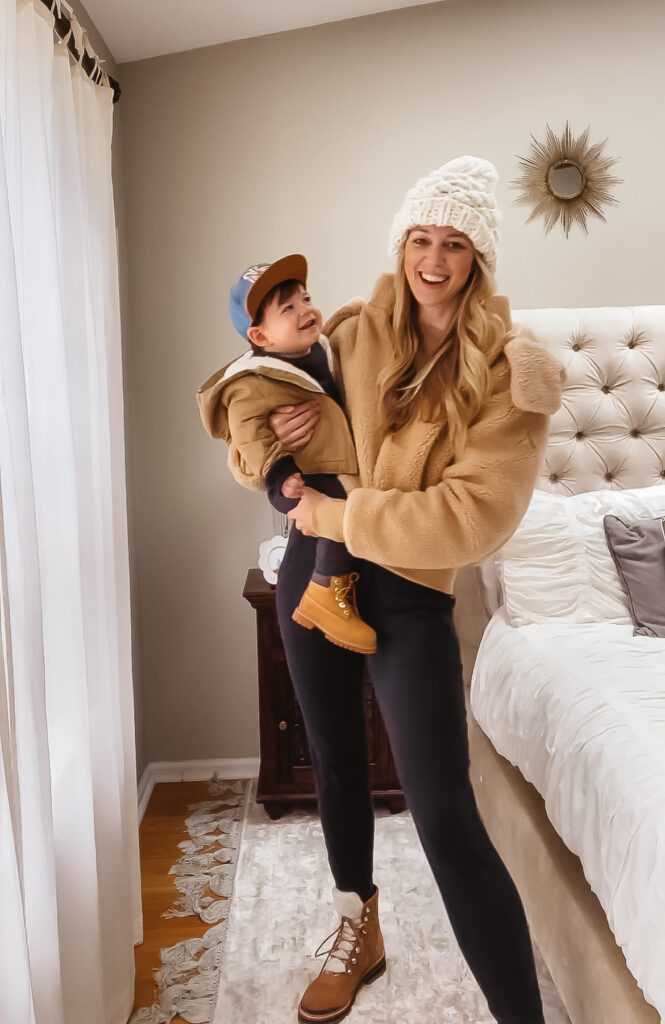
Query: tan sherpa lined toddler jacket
{"x":414,"y":509}
{"x":235,"y":403}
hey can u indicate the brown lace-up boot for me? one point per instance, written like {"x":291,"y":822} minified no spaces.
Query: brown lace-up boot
{"x":355,"y":958}
{"x":332,"y":609}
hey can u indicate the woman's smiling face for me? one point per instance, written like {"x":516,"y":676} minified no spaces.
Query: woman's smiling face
{"x":437,"y":264}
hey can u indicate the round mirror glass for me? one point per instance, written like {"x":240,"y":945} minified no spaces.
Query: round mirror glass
{"x":565,"y":180}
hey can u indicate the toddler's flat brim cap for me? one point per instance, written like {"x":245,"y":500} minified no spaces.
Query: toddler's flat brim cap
{"x":289,"y":268}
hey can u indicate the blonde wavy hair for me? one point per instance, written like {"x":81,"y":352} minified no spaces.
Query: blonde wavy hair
{"x":458,"y":383}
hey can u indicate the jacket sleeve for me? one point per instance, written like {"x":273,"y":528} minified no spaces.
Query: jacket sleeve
{"x":459,"y":521}
{"x":253,"y":447}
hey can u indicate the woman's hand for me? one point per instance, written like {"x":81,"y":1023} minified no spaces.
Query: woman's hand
{"x":294,"y":425}
{"x":303,"y":513}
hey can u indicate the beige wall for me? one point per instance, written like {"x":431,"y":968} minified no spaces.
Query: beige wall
{"x":307,"y":141}
{"x":102,"y":51}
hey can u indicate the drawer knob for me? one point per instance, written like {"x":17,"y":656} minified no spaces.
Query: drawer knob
{"x":283,"y":725}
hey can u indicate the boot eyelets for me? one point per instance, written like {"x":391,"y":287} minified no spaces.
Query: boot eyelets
{"x":353,"y":960}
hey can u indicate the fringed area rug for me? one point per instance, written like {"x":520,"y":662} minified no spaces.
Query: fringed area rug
{"x":188,"y":979}
{"x":282,"y":909}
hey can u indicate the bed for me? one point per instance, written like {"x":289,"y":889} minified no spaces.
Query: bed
{"x":567,"y":707}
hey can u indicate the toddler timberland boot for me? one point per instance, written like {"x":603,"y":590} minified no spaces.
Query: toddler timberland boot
{"x":332,"y":609}
{"x":356,"y":958}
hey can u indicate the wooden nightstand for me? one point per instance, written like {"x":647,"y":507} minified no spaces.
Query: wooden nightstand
{"x":285,"y":774}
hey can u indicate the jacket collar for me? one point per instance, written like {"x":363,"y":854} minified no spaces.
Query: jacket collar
{"x":268,"y":365}
{"x":209,"y":398}
{"x":536,"y":379}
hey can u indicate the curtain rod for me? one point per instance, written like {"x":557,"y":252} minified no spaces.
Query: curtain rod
{"x":88,"y":61}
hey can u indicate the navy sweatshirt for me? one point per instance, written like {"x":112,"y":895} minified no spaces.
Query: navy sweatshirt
{"x":315,"y":363}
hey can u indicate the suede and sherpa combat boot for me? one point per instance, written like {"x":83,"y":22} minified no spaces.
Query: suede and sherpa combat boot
{"x":332,"y":609}
{"x":355,"y":958}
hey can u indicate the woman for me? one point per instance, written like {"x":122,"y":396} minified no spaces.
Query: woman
{"x":449,"y":445}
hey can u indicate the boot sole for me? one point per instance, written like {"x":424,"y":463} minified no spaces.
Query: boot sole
{"x":331,"y":1018}
{"x":302,"y":620}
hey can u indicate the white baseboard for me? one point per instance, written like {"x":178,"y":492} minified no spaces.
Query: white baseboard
{"x":144,"y":791}
{"x":201,"y":771}
{"x":193,"y":771}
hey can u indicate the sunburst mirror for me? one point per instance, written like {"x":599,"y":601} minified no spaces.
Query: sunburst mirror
{"x":566,"y":179}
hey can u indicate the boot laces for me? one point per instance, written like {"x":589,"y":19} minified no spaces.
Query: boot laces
{"x":346,"y":943}
{"x":343,"y":587}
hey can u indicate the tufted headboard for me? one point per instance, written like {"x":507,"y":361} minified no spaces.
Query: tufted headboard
{"x":610,"y":429}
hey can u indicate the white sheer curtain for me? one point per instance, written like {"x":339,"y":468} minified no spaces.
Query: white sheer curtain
{"x":69,"y":872}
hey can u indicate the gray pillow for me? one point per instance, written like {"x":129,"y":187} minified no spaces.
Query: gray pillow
{"x":638,"y":549}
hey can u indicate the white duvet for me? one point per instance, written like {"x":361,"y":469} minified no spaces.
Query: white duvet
{"x":580,"y":710}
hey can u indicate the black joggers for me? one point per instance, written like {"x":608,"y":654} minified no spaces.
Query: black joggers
{"x":417,"y":678}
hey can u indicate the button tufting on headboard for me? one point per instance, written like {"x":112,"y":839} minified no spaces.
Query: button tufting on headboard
{"x":610,"y":429}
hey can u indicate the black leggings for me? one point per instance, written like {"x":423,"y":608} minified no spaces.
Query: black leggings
{"x":417,"y":678}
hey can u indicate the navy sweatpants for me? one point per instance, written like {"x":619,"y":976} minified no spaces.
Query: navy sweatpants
{"x":331,"y":557}
{"x":417,"y":678}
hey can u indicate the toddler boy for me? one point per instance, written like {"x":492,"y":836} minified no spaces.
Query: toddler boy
{"x":289,"y":361}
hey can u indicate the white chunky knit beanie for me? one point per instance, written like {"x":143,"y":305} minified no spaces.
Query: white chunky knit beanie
{"x":460,"y":194}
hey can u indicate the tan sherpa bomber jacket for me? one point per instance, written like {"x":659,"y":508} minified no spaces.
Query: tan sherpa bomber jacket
{"x":413,"y":508}
{"x":236,"y":402}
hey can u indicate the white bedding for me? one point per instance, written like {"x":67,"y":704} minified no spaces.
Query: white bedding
{"x":580,"y":710}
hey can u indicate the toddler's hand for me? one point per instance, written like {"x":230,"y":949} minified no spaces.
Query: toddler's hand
{"x":293,"y":486}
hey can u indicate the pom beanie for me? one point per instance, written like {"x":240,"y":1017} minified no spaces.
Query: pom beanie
{"x":460,"y":194}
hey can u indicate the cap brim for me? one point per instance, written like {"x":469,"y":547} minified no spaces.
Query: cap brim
{"x":290,"y":268}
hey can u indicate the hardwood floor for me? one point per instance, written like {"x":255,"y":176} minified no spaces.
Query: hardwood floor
{"x":160,"y":832}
